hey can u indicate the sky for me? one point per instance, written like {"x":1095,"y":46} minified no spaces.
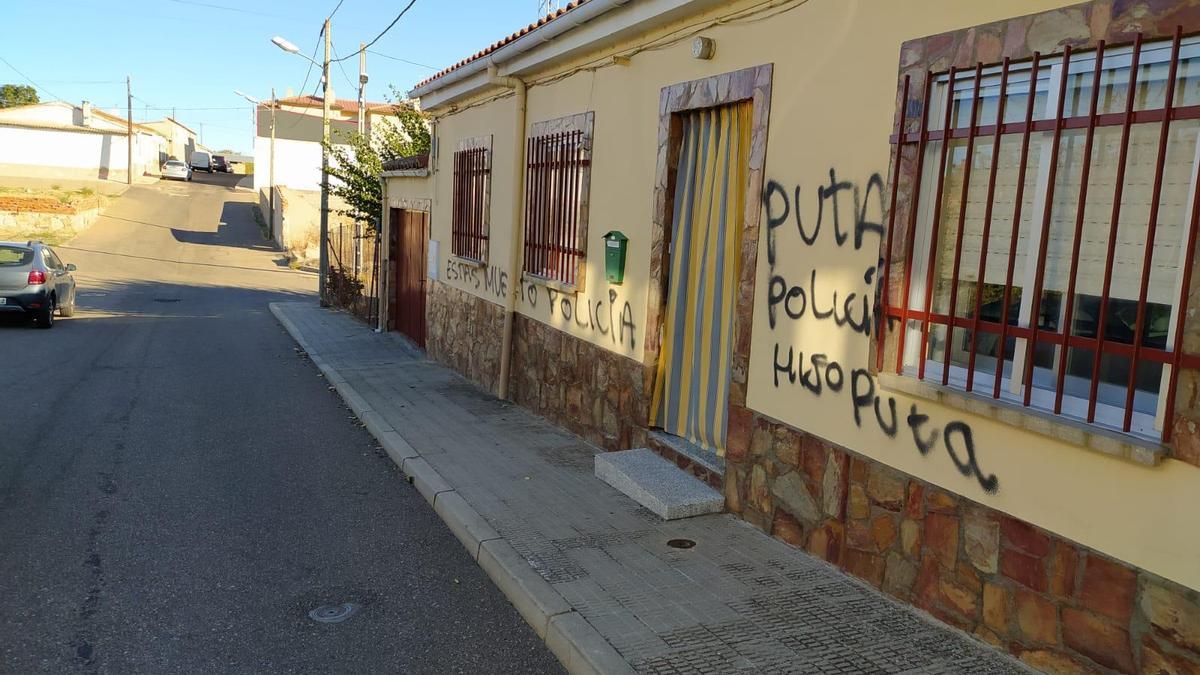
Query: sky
{"x":189,"y":55}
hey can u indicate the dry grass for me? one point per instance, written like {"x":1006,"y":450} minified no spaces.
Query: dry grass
{"x":81,"y":198}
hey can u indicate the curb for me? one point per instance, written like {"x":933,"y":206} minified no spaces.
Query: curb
{"x":576,"y":643}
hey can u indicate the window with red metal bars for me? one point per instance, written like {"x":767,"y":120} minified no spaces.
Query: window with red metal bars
{"x":472,"y":178}
{"x":556,"y":183}
{"x":1050,"y":231}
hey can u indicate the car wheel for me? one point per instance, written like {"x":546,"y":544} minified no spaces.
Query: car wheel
{"x":45,"y":316}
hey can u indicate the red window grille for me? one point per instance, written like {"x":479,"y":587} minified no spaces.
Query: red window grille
{"x":1050,"y":233}
{"x":555,"y":193}
{"x":469,"y":230}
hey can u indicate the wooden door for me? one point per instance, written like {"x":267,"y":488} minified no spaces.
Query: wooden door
{"x":393,"y":244}
{"x":410,"y":252}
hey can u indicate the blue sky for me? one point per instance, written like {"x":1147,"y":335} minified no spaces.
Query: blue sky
{"x":192,"y":54}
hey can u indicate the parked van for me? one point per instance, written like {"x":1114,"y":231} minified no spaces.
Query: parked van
{"x":201,"y":161}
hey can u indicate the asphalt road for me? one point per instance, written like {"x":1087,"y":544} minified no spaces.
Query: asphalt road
{"x":179,"y":488}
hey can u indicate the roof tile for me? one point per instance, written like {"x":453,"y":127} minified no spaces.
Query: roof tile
{"x":500,"y":43}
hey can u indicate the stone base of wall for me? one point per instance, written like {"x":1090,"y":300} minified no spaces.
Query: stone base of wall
{"x":593,"y":392}
{"x":55,"y":225}
{"x":464,"y":333}
{"x":705,"y":474}
{"x":1058,"y":606}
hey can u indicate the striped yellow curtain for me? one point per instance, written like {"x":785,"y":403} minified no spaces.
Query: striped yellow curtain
{"x":691,"y":392}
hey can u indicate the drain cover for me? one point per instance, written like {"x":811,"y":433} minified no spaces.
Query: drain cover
{"x":681,"y":543}
{"x":334,"y":613}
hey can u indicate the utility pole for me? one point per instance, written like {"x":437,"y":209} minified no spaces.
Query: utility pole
{"x":362,"y":88}
{"x":362,"y":131}
{"x":271,"y":225}
{"x":129,"y":132}
{"x":322,"y":279}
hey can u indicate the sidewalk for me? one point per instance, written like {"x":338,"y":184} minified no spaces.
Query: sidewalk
{"x":588,"y":567}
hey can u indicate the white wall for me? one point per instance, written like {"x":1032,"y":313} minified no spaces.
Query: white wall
{"x":68,"y":154}
{"x":33,"y":152}
{"x":297,"y":163}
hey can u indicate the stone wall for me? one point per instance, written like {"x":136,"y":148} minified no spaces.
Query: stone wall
{"x":595,"y":393}
{"x":1058,"y":606}
{"x":45,"y":218}
{"x":464,"y":333}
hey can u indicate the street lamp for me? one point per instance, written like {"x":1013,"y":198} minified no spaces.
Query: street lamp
{"x":325,"y":112}
{"x":271,"y":180}
{"x":287,"y":46}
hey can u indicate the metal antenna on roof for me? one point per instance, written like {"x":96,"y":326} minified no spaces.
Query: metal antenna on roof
{"x":547,"y":6}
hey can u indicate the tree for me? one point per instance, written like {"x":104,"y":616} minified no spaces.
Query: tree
{"x":12,"y":95}
{"x":355,"y":167}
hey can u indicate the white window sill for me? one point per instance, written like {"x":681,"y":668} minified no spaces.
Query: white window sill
{"x":1094,"y":438}
{"x":473,"y":262}
{"x":569,"y":289}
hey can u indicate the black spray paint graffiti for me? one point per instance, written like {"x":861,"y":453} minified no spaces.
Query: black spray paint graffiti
{"x":868,"y":209}
{"x":609,"y":318}
{"x":854,"y":312}
{"x":492,"y":280}
{"x":825,"y":374}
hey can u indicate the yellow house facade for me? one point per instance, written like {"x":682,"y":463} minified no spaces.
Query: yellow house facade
{"x":734,"y":232}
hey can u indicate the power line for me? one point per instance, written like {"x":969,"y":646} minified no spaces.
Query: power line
{"x":312,"y":60}
{"x":342,"y":68}
{"x":85,"y":81}
{"x":397,"y":58}
{"x":229,"y":9}
{"x":385,"y":30}
{"x":155,"y":107}
{"x":30,"y":80}
{"x":335,"y":9}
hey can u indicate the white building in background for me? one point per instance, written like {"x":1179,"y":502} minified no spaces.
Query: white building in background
{"x":61,"y":140}
{"x":298,"y":137}
{"x":181,"y":140}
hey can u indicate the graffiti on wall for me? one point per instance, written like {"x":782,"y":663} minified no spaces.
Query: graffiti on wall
{"x":611,"y":318}
{"x":791,"y":299}
{"x":490,"y":280}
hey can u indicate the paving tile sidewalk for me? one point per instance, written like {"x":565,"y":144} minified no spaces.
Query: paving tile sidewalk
{"x":588,"y":567}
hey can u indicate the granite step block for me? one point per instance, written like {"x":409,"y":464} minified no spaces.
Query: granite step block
{"x":657,"y":484}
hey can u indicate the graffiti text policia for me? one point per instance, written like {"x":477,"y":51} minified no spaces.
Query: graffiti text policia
{"x":850,"y":310}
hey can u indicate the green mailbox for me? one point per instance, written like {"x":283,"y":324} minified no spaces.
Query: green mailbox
{"x":614,"y":256}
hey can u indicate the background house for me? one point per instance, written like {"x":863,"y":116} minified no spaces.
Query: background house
{"x":181,"y":140}
{"x":61,"y":140}
{"x":298,"y":138}
{"x":297,"y":176}
{"x":788,"y":160}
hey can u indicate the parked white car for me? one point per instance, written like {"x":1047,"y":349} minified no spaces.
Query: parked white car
{"x":177,"y":170}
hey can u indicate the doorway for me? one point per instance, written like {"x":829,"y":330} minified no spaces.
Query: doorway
{"x":408,"y":248}
{"x":691,"y":392}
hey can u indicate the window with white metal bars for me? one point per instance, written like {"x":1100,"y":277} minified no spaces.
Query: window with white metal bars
{"x":1050,"y":231}
{"x":556,"y":183}
{"x":470,"y":218}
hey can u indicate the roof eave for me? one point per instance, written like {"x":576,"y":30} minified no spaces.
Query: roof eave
{"x":594,"y":27}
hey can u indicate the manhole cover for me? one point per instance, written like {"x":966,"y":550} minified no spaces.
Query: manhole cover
{"x":681,"y":543}
{"x":166,"y":299}
{"x":334,"y":613}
